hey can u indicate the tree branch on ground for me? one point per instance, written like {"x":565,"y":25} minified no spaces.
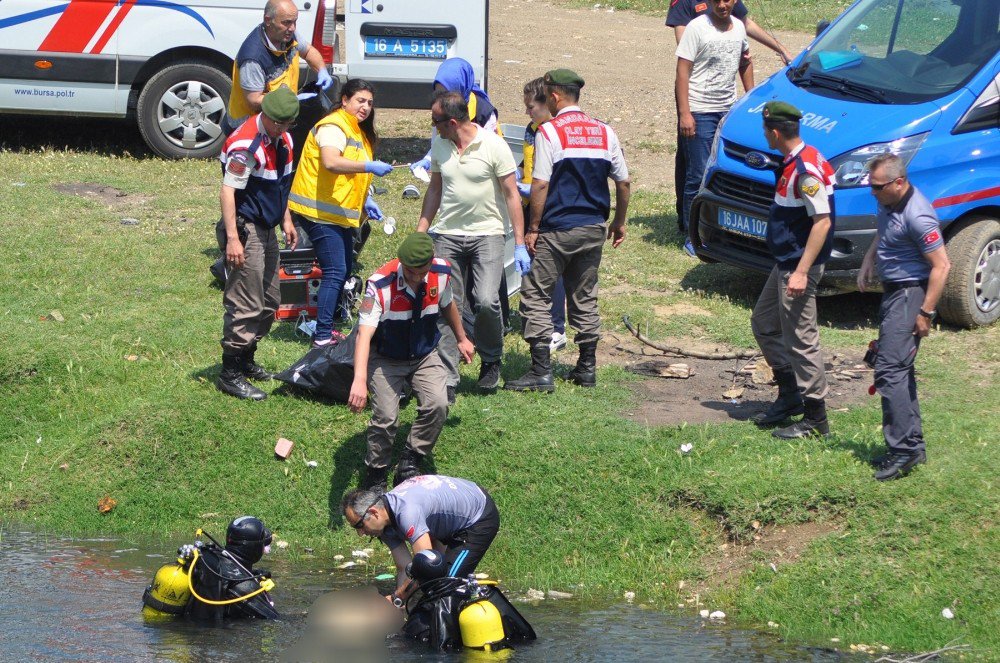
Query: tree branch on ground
{"x":667,"y":349}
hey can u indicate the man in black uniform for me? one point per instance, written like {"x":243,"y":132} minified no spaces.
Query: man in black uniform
{"x":908,"y":252}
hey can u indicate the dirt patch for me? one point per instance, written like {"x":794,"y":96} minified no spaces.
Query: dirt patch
{"x":773,"y":545}
{"x":674,"y":310}
{"x":107,"y":195}
{"x":699,"y":399}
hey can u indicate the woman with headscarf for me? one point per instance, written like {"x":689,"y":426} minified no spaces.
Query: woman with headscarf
{"x":457,"y":75}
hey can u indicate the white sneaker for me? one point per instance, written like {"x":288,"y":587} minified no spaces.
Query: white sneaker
{"x":558,"y":342}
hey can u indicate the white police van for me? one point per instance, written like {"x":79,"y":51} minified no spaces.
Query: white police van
{"x":167,"y":63}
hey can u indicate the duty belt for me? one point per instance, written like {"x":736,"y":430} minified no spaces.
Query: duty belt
{"x":893,"y":286}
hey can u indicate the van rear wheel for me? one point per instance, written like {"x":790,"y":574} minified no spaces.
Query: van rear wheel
{"x":181,"y":109}
{"x":971,"y":295}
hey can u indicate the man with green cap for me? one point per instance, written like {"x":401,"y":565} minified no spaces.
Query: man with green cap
{"x":800,"y":237}
{"x":569,"y":204}
{"x":399,"y":317}
{"x":257,"y":176}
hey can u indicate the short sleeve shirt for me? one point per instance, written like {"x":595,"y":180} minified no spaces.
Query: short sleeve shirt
{"x":906,"y":233}
{"x":472,"y":200}
{"x":252,"y":77}
{"x":431,"y":504}
{"x":682,"y":12}
{"x":545,"y":158}
{"x":370,"y":313}
{"x":715,"y":58}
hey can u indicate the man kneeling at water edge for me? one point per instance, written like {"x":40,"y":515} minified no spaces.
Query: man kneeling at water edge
{"x":456,"y":517}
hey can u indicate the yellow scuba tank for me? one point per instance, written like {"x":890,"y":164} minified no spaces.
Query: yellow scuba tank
{"x":481,"y":626}
{"x":168,"y":594}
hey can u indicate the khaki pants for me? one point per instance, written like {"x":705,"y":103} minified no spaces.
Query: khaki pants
{"x":787,"y":332}
{"x":574,"y":254}
{"x":386,"y":380}
{"x":252,"y":292}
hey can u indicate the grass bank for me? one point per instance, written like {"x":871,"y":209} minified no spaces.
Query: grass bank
{"x":117,"y":399}
{"x":798,"y":15}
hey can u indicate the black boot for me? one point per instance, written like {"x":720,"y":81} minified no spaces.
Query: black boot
{"x":585,"y":373}
{"x":814,"y":423}
{"x":788,"y":404}
{"x":232,"y":382}
{"x":251,"y":369}
{"x":539,"y":378}
{"x":375,"y":478}
{"x":408,"y":466}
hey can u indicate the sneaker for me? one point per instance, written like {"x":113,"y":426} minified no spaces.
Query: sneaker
{"x":489,"y":376}
{"x":898,"y":465}
{"x":689,"y":249}
{"x":558,"y":341}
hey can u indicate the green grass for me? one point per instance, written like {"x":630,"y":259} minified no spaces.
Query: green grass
{"x":800,"y":15}
{"x":590,"y":502}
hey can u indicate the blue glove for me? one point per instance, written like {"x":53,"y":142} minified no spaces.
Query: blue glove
{"x":524,"y":189}
{"x":305,"y":96}
{"x":372,"y":210}
{"x":379,"y":168}
{"x":323,"y":79}
{"x":518,"y":174}
{"x":424,"y":163}
{"x":522,"y":261}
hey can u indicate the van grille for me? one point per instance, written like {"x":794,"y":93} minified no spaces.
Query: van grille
{"x":748,"y":192}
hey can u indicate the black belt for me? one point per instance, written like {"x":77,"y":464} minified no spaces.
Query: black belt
{"x":893,"y":286}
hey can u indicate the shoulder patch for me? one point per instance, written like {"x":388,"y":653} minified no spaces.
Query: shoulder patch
{"x":931,"y":237}
{"x":409,"y":532}
{"x":809,"y":185}
{"x":367,"y":304}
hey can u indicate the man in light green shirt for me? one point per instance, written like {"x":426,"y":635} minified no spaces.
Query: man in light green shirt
{"x":473,"y":197}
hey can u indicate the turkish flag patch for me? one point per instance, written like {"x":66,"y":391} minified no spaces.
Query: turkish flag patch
{"x":409,"y":532}
{"x":931,"y":237}
{"x":700,"y":7}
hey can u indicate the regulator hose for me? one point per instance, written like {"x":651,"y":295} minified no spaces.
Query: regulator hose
{"x":265,"y":585}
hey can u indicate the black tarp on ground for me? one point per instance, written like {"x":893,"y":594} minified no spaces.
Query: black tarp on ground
{"x":328,"y":370}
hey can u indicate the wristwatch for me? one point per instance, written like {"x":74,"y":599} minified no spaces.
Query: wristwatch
{"x":930,"y":315}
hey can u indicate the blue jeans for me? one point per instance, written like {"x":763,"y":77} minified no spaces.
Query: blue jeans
{"x":334,"y":247}
{"x":696,"y":151}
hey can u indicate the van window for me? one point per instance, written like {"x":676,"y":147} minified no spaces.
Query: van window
{"x":902,"y":51}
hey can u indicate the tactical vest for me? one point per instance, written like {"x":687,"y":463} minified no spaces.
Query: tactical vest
{"x":332,"y":197}
{"x":789,"y":223}
{"x":408,"y":326}
{"x":578,"y":192}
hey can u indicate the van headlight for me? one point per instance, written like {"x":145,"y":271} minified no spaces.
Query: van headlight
{"x":851,"y":169}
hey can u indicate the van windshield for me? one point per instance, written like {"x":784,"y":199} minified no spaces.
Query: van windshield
{"x":902,"y":51}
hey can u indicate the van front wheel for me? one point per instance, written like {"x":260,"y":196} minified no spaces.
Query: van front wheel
{"x":181,"y":108}
{"x":971,"y":295}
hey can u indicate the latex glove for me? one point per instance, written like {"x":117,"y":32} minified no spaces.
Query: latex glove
{"x":522,"y":261}
{"x":372,"y":209}
{"x":323,"y":79}
{"x":518,"y":174}
{"x":524,"y":189}
{"x":379,"y":168}
{"x":424,"y":163}
{"x":305,"y":96}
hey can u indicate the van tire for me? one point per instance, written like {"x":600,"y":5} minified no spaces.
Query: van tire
{"x":174,"y":127}
{"x":971,"y":296}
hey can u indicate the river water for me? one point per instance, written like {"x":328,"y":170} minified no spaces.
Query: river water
{"x":64,"y":599}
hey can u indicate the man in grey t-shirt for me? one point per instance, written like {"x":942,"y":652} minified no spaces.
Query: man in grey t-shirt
{"x":454,"y":516}
{"x":908,"y":252}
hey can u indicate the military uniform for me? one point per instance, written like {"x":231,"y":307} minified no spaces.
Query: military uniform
{"x":906,"y":232}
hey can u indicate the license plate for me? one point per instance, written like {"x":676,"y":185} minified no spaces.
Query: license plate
{"x":406,"y":47}
{"x":742,"y":224}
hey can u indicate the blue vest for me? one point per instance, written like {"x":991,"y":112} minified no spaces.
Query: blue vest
{"x":578,"y":193}
{"x":408,"y":328}
{"x":789,"y":223}
{"x":265,"y":196}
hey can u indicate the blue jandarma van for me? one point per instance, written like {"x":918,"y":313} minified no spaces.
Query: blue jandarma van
{"x":920,"y":78}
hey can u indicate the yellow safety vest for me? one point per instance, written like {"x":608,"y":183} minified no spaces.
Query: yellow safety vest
{"x":238,"y":107}
{"x":332,"y":197}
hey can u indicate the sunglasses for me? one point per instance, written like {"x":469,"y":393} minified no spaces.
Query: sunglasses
{"x":283,"y":125}
{"x":364,"y":516}
{"x":879,"y":187}
{"x":437,"y":120}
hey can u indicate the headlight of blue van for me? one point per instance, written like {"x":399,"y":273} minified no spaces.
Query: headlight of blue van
{"x":851,"y":169}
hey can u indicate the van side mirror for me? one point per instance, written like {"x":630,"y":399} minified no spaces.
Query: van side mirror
{"x":821,"y":26}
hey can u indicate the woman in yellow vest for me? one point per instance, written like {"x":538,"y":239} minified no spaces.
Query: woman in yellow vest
{"x":330,"y":193}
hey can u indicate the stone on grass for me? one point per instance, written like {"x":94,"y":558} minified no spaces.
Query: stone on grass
{"x":947,"y":613}
{"x":535,"y":595}
{"x":718,"y":614}
{"x":554,"y":594}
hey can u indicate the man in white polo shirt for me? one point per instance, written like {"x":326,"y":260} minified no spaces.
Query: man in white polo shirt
{"x":473,"y":196}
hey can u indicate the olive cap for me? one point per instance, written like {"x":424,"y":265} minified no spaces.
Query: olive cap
{"x":281,"y":105}
{"x":563,"y":77}
{"x":781,"y":111}
{"x":416,"y":250}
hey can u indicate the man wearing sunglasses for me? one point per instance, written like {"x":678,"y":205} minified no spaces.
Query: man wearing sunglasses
{"x":800,"y":237}
{"x":456,"y":517}
{"x":257,"y":177}
{"x":908,"y":254}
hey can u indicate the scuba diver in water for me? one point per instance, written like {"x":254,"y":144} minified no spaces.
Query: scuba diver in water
{"x":210,"y":583}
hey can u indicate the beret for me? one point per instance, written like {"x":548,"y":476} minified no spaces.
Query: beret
{"x":416,"y":250}
{"x":563,"y":77}
{"x":280,"y":105}
{"x":781,"y":111}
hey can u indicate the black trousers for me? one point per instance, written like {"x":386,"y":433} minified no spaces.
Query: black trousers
{"x":467,"y":546}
